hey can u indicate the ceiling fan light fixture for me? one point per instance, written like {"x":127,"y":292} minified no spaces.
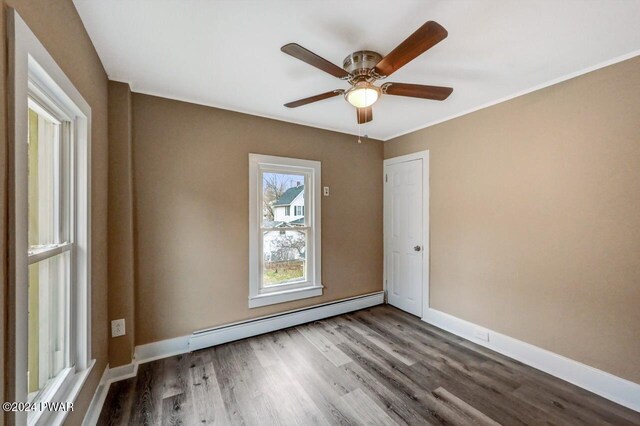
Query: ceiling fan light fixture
{"x":364,"y":67}
{"x":362,"y":94}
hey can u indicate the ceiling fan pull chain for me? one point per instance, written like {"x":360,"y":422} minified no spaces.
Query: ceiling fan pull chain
{"x":363,"y":68}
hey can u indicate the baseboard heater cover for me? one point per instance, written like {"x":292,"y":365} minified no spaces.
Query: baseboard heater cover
{"x":241,"y":330}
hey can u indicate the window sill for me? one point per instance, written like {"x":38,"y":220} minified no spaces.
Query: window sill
{"x":68,"y":392}
{"x":284,"y":296}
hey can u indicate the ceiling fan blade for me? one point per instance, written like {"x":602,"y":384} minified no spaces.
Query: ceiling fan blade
{"x":425,"y":37}
{"x":315,"y":98}
{"x":437,"y":93}
{"x":311,"y":58}
{"x":365,"y":115}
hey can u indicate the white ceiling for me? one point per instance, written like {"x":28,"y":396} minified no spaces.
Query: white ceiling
{"x":227,"y":53}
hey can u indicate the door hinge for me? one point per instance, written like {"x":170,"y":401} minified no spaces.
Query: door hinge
{"x":386,"y":178}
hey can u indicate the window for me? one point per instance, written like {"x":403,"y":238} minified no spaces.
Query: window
{"x":51,"y":246}
{"x":50,"y":222}
{"x":284,"y":249}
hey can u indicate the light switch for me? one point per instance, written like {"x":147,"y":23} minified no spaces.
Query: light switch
{"x":326,"y":191}
{"x":117,"y":328}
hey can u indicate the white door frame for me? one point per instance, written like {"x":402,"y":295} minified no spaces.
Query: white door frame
{"x":426,"y":245}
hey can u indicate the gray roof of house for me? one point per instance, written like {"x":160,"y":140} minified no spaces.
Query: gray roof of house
{"x":289,"y":195}
{"x":272,"y":223}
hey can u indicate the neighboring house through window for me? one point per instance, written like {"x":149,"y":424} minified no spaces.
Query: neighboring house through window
{"x":284,"y":248}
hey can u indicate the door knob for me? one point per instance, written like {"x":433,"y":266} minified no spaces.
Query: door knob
{"x":417,"y":248}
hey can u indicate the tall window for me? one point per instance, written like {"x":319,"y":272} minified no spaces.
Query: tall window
{"x":284,"y":249}
{"x":50,"y":233}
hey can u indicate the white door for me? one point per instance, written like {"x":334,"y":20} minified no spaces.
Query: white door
{"x":406,"y":270}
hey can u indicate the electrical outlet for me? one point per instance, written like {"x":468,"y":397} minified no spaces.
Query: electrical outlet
{"x":326,"y":191}
{"x":117,"y":328}
{"x":482,"y":334}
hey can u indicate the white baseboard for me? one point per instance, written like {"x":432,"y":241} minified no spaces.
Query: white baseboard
{"x":95,"y":407}
{"x":162,"y":349}
{"x":241,"y":330}
{"x":616,"y":389}
{"x":216,"y":336}
{"x":123,"y":372}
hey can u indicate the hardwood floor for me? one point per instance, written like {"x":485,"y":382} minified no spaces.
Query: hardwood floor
{"x":378,"y":366}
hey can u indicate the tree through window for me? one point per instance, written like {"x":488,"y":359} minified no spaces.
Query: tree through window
{"x":284,"y":244}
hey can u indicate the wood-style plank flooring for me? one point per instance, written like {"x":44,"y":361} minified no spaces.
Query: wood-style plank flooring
{"x":378,"y":366}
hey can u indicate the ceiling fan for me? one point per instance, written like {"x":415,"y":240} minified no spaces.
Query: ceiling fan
{"x":363,"y":68}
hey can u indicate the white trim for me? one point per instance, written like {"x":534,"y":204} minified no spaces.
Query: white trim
{"x":375,"y":294}
{"x":31,"y":67}
{"x":420,"y":155}
{"x":616,"y":389}
{"x":285,"y":296}
{"x":123,"y":372}
{"x":426,"y":243}
{"x":50,"y":251}
{"x":95,"y":407}
{"x":520,"y":93}
{"x":147,"y":353}
{"x":161,"y":94}
{"x":219,"y":335}
{"x":227,"y":333}
{"x":161,"y":349}
{"x":68,"y":392}
{"x":312,"y":287}
{"x":540,"y":86}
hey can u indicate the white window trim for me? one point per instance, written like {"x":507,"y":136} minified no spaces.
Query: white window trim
{"x":313,"y":286}
{"x":32,"y":69}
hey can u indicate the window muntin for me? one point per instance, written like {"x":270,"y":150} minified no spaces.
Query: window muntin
{"x":285,"y":244}
{"x":51,"y":247}
{"x":33,"y":73}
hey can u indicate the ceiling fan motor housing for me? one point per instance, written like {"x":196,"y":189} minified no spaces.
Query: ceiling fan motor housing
{"x":363,"y":68}
{"x":361,"y":62}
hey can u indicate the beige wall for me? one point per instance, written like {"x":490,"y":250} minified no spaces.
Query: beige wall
{"x":535,"y":217}
{"x":534,"y":209}
{"x":191,"y":212}
{"x":59,"y":28}
{"x":120,"y":213}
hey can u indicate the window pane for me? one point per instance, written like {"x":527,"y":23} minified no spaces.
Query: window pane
{"x":283,"y":198}
{"x":284,"y":256}
{"x":49,"y":283}
{"x":44,"y":181}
